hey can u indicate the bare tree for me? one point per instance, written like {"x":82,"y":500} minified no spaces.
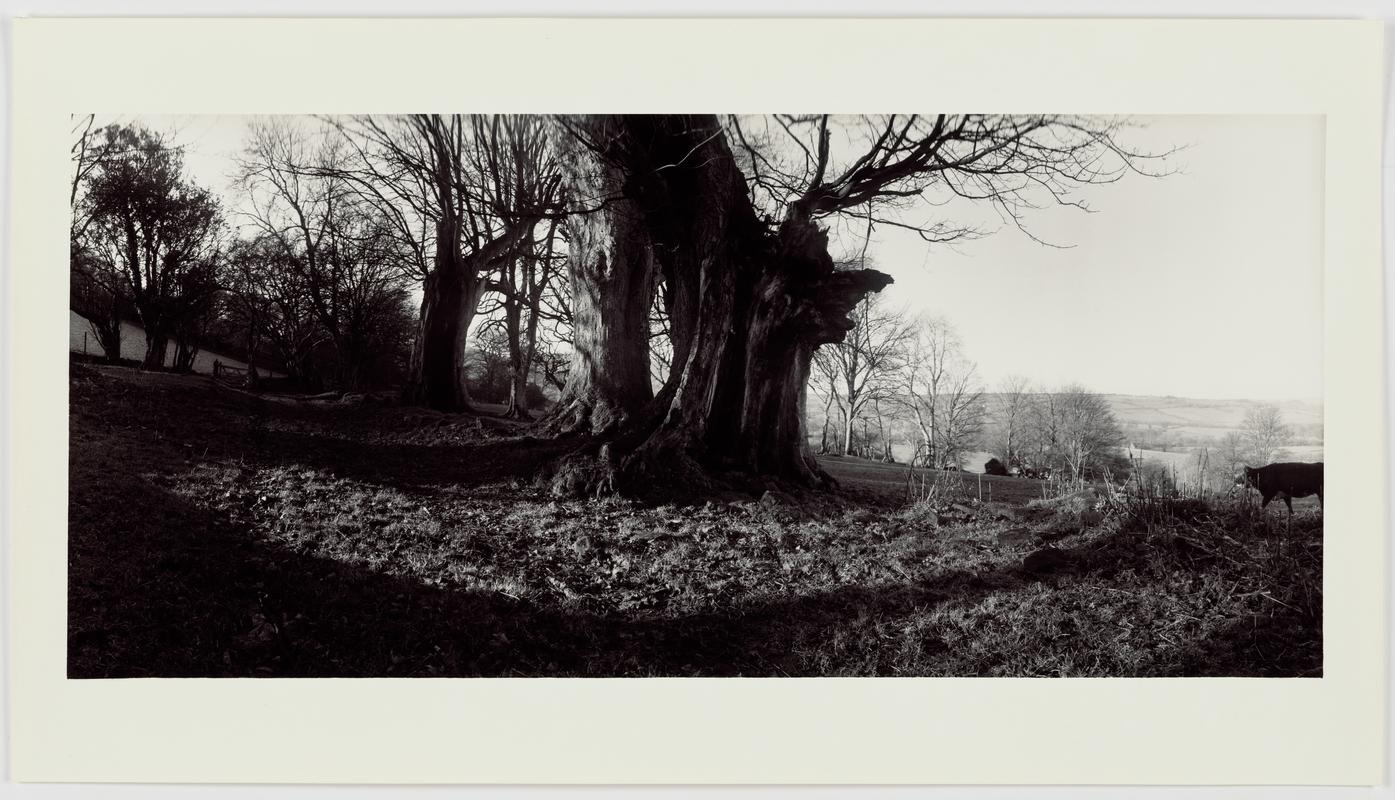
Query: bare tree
{"x":460,"y":196}
{"x":487,"y":363}
{"x":963,"y":419}
{"x":938,"y":387}
{"x":1011,"y":408}
{"x":91,"y":149}
{"x":611,"y":276}
{"x":195,"y":307}
{"x":552,"y":361}
{"x":345,"y":256}
{"x":248,"y":307}
{"x":1264,"y":433}
{"x":820,"y":166}
{"x":660,"y":341}
{"x":882,"y":409}
{"x":867,"y":360}
{"x":1042,"y":430}
{"x":97,"y":292}
{"x":272,"y":298}
{"x":823,"y":380}
{"x":1085,"y":428}
{"x":552,"y":355}
{"x":1233,"y":452}
{"x":521,"y":284}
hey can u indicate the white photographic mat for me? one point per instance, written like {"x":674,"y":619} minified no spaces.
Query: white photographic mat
{"x":1323,"y":77}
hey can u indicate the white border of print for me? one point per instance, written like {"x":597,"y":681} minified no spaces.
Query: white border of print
{"x":1000,"y":731}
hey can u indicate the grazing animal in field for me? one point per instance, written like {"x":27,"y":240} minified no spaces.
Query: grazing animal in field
{"x":1287,"y":480}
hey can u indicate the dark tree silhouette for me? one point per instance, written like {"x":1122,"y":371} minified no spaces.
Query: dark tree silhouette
{"x":154,"y":229}
{"x":97,"y":292}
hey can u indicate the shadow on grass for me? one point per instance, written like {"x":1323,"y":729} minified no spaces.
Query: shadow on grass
{"x":169,"y":418}
{"x":411,"y":466}
{"x":160,"y":587}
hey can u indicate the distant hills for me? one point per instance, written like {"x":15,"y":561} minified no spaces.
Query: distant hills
{"x":1206,"y":418}
{"x":1191,"y":417}
{"x":1192,"y":423}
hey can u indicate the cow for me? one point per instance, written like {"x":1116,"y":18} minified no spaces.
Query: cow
{"x":1287,"y":480}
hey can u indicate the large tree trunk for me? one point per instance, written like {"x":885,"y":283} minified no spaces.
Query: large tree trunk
{"x":519,"y":405}
{"x":738,"y":404}
{"x":107,"y":327}
{"x":450,"y":298}
{"x":156,"y":344}
{"x":610,"y":262}
{"x":529,"y":301}
{"x":185,"y":350}
{"x":436,"y":377}
{"x":926,"y":439}
{"x":827,"y":412}
{"x":752,"y":305}
{"x":848,"y":434}
{"x":152,"y":319}
{"x":253,"y":342}
{"x":881,"y":434}
{"x":518,"y":363}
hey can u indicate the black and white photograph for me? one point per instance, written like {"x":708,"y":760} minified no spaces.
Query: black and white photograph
{"x":695,"y":395}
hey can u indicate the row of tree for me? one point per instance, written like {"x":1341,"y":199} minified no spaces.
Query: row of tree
{"x":145,"y":241}
{"x":907,"y":378}
{"x":339,"y":223}
{"x":899,"y":372}
{"x":682,"y":261}
{"x":897,"y":379}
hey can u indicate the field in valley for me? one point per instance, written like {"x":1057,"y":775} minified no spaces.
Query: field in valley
{"x":228,"y":534}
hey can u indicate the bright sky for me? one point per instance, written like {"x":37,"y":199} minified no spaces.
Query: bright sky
{"x":1206,"y":283}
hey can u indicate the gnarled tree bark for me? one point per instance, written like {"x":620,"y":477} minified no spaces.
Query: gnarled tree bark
{"x":748,"y":306}
{"x":610,"y":264}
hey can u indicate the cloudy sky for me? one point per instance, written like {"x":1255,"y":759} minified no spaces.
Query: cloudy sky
{"x":1205,"y":283}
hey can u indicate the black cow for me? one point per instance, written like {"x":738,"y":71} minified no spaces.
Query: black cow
{"x":1287,"y":480}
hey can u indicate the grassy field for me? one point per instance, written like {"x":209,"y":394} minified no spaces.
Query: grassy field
{"x":216,"y":533}
{"x":891,"y":481}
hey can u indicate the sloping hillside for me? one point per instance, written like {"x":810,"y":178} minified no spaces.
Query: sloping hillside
{"x":81,"y":339}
